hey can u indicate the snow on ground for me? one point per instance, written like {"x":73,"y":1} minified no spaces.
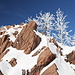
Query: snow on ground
{"x":24,"y":61}
{"x":11,"y":31}
{"x":42,"y":43}
{"x":63,"y":67}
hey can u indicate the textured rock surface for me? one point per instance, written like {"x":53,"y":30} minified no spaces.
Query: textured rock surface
{"x":15,"y":33}
{"x":4,"y":43}
{"x":27,"y":40}
{"x":52,"y":70}
{"x":2,"y":54}
{"x":1,"y":73}
{"x":13,"y":62}
{"x":71,"y":57}
{"x":8,"y":27}
{"x":45,"y":57}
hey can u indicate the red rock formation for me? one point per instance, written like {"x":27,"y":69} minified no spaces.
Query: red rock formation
{"x":43,"y":60}
{"x":13,"y":62}
{"x":45,"y":57}
{"x":5,"y":45}
{"x":38,"y":51}
{"x":1,"y":33}
{"x":15,"y":33}
{"x":4,"y":53}
{"x":71,"y":57}
{"x":8,"y":27}
{"x":22,"y":23}
{"x":1,"y":73}
{"x":27,"y":40}
{"x":52,"y":70}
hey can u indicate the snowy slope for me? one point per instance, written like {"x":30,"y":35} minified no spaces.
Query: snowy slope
{"x":26,"y":61}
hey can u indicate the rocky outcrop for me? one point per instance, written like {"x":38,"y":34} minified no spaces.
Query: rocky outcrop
{"x":52,"y":70}
{"x":38,"y":51}
{"x":13,"y":62}
{"x":15,"y":33}
{"x":1,"y":73}
{"x":43,"y":60}
{"x":71,"y":57}
{"x":5,"y":45}
{"x":27,"y":40}
{"x":22,"y":23}
{"x":2,"y":54}
{"x":45,"y":57}
{"x":1,"y":33}
{"x":54,"y":41}
{"x":8,"y":27}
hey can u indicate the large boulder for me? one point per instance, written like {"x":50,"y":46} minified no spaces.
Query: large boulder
{"x":27,"y":40}
{"x":1,"y":73}
{"x":13,"y":62}
{"x":71,"y":57}
{"x":43,"y":60}
{"x":45,"y":57}
{"x":52,"y":70}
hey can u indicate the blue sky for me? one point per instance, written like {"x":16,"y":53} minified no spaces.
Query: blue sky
{"x":17,"y":11}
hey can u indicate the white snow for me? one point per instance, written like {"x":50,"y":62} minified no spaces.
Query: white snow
{"x":26,"y":61}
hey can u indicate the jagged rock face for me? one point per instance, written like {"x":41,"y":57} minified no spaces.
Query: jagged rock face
{"x":27,"y":40}
{"x":13,"y":62}
{"x":8,"y":27}
{"x":43,"y":60}
{"x":45,"y":57}
{"x":15,"y":33}
{"x":52,"y":70}
{"x":1,"y":73}
{"x":4,"y":43}
{"x":2,"y":54}
{"x":71,"y":57}
{"x":36,"y":70}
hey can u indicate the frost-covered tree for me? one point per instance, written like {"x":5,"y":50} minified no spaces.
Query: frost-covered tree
{"x":61,"y":25}
{"x":44,"y":22}
{"x":73,"y":40}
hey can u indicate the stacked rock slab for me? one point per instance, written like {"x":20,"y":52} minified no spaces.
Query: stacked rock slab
{"x":27,"y":40}
{"x":52,"y":70}
{"x":45,"y":58}
{"x":71,"y":57}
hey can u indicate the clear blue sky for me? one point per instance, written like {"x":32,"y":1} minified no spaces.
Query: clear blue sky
{"x":17,"y":11}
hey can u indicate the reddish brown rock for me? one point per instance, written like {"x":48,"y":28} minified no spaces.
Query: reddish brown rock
{"x":43,"y":60}
{"x":45,"y":57}
{"x":15,"y":33}
{"x":36,"y":70}
{"x":38,"y":51}
{"x":13,"y":25}
{"x":13,"y":62}
{"x":1,"y":73}
{"x":27,"y":40}
{"x":8,"y":27}
{"x":0,"y":41}
{"x":71,"y":57}
{"x":4,"y":38}
{"x":19,"y":27}
{"x":5,"y":45}
{"x":1,"y":33}
{"x":22,"y":23}
{"x":4,"y":53}
{"x":52,"y":70}
{"x":54,"y":41}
